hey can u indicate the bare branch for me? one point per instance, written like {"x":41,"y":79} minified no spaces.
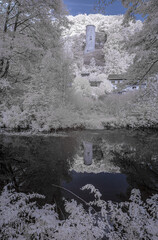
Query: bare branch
{"x":13,"y":7}
{"x":25,"y":20}
{"x":26,"y":26}
{"x":149,"y":69}
{"x":7,"y":17}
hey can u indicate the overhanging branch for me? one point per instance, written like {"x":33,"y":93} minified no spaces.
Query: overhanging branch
{"x":149,"y":69}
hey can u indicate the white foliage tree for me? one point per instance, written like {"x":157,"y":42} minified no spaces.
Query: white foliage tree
{"x":32,"y":58}
{"x":144,"y":43}
{"x":19,"y":36}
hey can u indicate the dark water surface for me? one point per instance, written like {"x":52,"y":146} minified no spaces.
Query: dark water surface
{"x":122,"y":160}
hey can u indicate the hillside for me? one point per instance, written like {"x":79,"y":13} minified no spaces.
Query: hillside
{"x":113,"y":58}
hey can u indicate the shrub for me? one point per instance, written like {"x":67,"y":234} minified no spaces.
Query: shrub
{"x":21,"y":218}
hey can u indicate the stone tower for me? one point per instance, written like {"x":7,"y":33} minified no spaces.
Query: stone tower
{"x":90,"y":38}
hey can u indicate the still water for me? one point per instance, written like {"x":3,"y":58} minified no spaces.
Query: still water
{"x":118,"y":161}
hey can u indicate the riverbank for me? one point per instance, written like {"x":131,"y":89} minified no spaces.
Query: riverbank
{"x":92,"y":122}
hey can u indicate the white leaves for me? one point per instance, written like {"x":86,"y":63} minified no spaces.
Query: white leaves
{"x":22,"y":219}
{"x":14,"y":117}
{"x":4,"y":84}
{"x":93,"y":190}
{"x":27,"y":220}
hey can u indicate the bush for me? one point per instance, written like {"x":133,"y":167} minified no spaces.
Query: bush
{"x":21,"y":218}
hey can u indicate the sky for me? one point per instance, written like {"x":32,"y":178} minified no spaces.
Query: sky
{"x":87,"y":6}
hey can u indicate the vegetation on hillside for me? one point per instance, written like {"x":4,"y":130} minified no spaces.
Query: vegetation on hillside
{"x":37,"y":84}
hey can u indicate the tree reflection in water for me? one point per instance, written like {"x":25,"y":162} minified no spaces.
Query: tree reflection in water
{"x":33,"y":164}
{"x":133,"y":153}
{"x":140,"y":164}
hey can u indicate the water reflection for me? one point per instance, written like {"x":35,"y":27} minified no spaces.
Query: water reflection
{"x":101,"y":158}
{"x":88,"y":153}
{"x":112,"y":186}
{"x":121,"y":160}
{"x":132,"y":153}
{"x":140,"y":164}
{"x":32,"y":164}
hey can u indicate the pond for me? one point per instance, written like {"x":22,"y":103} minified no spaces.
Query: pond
{"x":46,"y":163}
